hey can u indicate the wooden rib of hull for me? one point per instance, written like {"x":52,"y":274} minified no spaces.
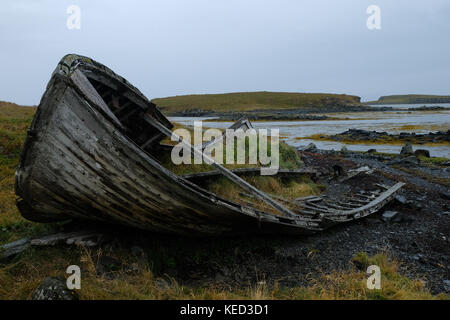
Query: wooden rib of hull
{"x":77,"y":162}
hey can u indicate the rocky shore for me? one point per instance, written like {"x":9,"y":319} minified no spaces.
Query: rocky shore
{"x":415,"y":228}
{"x":375,"y":136}
{"x":292,"y":114}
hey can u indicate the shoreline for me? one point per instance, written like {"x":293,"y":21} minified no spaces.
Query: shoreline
{"x":294,"y":114}
{"x":356,"y":137}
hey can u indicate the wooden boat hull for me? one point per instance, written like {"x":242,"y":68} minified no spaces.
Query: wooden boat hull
{"x":78,"y":162}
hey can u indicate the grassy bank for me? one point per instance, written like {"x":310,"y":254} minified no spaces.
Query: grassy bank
{"x":247,"y":101}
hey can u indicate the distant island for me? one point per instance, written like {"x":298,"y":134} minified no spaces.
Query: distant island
{"x":410,"y":99}
{"x":263,"y":102}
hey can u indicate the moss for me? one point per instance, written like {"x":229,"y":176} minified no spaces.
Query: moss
{"x":434,"y":160}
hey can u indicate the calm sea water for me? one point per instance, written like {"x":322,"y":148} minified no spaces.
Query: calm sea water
{"x":391,"y":122}
{"x":407,"y":106}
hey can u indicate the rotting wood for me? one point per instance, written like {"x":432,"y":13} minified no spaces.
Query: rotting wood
{"x":85,"y":158}
{"x":85,"y":238}
{"x":13,"y":248}
{"x":250,"y":171}
{"x":242,"y":123}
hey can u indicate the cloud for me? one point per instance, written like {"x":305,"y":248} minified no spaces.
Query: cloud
{"x":178,"y":47}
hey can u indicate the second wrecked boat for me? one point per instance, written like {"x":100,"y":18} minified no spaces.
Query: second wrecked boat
{"x":90,"y":154}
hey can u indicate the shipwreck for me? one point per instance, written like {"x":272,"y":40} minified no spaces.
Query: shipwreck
{"x":91,"y":153}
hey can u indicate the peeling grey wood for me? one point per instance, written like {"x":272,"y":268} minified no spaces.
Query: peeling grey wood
{"x":77,"y":162}
{"x":249,"y":171}
{"x":84,"y":238}
{"x":242,"y":123}
{"x":90,"y":93}
{"x":13,"y":248}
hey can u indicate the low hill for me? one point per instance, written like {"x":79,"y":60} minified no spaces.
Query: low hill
{"x":250,"y":101}
{"x":411,"y":99}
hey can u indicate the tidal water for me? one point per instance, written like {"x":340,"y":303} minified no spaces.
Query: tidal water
{"x":391,"y":122}
{"x":408,"y":106}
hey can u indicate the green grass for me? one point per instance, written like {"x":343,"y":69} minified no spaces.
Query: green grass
{"x":288,"y":159}
{"x":247,"y":101}
{"x":14,"y":122}
{"x":434,"y":160}
{"x":411,"y":99}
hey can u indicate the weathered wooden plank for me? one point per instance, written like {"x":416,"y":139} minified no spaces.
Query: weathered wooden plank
{"x":242,"y":123}
{"x":82,"y":83}
{"x":84,"y":167}
{"x":249,"y":171}
{"x":13,"y":248}
{"x":76,"y":237}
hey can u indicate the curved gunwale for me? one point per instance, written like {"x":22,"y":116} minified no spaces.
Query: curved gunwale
{"x":79,"y":160}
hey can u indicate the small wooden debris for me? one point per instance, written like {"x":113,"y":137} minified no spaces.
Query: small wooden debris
{"x":13,"y":248}
{"x":85,"y":238}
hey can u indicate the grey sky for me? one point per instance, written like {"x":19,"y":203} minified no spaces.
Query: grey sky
{"x":179,"y":47}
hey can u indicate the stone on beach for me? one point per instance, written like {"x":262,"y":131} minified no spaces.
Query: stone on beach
{"x":407,"y":149}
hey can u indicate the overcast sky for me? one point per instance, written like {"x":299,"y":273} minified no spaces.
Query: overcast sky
{"x":180,"y":47}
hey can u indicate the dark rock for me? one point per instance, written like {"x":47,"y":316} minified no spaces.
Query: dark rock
{"x":388,"y":216}
{"x":445,"y":194}
{"x":107,"y":265}
{"x":401,"y":199}
{"x":371,"y":150}
{"x":415,"y":204}
{"x":447,"y":285}
{"x":162,"y":284}
{"x":310,"y":148}
{"x":422,"y":152}
{"x":410,"y":160}
{"x":419,"y":257}
{"x":54,"y":288}
{"x":407,"y":149}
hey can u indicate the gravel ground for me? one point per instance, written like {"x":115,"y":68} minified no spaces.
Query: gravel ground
{"x":419,"y":239}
